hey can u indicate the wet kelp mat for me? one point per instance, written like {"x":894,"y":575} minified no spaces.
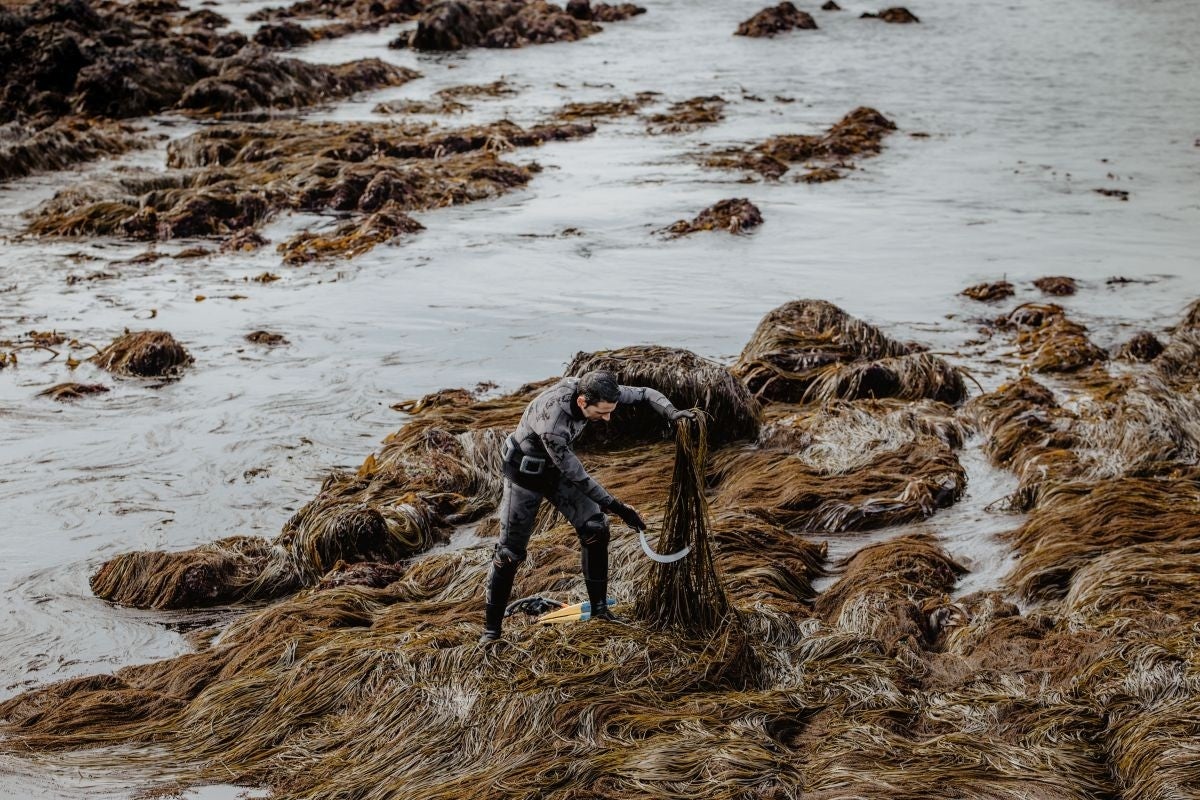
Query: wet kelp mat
{"x":363,"y":678}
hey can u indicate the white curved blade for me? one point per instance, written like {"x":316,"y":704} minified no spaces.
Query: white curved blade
{"x":661,"y":559}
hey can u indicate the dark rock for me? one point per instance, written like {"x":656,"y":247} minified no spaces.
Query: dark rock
{"x":735,"y":215}
{"x":283,"y":36}
{"x":898,"y":15}
{"x":459,"y":24}
{"x":1058,"y":285}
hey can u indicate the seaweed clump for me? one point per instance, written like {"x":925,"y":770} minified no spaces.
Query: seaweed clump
{"x":812,"y":350}
{"x":460,"y":24}
{"x":1058,"y":285}
{"x":897,"y":16}
{"x":72,"y":391}
{"x":145,"y":354}
{"x":735,"y":215}
{"x":858,"y":134}
{"x":989,"y":292}
{"x":688,"y":115}
{"x":776,"y":19}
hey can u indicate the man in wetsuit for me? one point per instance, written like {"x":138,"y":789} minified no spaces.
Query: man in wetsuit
{"x":539,"y":463}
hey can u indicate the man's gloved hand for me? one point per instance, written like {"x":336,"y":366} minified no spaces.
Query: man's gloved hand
{"x":676,"y":415}
{"x":627,"y":515}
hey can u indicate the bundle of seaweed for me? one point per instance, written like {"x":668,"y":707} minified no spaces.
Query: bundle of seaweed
{"x":72,"y":391}
{"x":784,"y":581}
{"x":776,"y":19}
{"x":685,"y":378}
{"x":734,"y":215}
{"x":847,"y":469}
{"x":812,"y":350}
{"x":687,"y":595}
{"x":1076,"y":522}
{"x":1050,"y":341}
{"x":1154,"y":578}
{"x":25,"y":150}
{"x":859,"y":133}
{"x":898,"y":15}
{"x":1142,"y":346}
{"x":229,"y":179}
{"x":145,"y":354}
{"x":688,"y":115}
{"x":1058,"y":285}
{"x":460,"y":24}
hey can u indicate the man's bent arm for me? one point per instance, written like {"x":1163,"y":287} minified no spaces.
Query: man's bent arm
{"x":644,"y":394}
{"x":560,"y":452}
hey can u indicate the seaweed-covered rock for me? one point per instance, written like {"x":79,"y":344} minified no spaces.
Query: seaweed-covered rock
{"x":776,"y":19}
{"x":897,"y":15}
{"x":145,"y":354}
{"x":460,"y":24}
{"x":602,"y":12}
{"x":989,"y":292}
{"x":734,"y":215}
{"x":25,"y":150}
{"x":858,"y":134}
{"x":1144,"y":346}
{"x":1057,"y":285}
{"x":283,"y":36}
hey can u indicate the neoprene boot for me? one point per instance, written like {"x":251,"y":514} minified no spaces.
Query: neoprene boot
{"x":499,"y":587}
{"x":594,"y":559}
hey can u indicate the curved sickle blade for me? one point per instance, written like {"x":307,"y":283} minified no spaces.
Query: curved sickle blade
{"x":661,"y":559}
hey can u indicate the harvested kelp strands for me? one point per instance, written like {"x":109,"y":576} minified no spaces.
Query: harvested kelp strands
{"x":1076,"y":522}
{"x":372,"y":574}
{"x":858,"y":134}
{"x":63,"y":392}
{"x":25,"y":150}
{"x":896,"y":481}
{"x":687,"y":380}
{"x":1191,"y":315}
{"x":1143,"y":346}
{"x":349,"y":239}
{"x":776,"y":19}
{"x":462,"y":24}
{"x":688,"y":115}
{"x":144,"y":354}
{"x":1049,"y":340}
{"x":687,"y":594}
{"x":1057,"y":285}
{"x":811,"y":349}
{"x":883,"y":586}
{"x":1020,"y":416}
{"x":989,"y":292}
{"x":1179,"y":361}
{"x":897,"y":16}
{"x":735,"y":215}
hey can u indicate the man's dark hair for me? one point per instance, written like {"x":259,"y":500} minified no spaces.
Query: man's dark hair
{"x":599,"y":386}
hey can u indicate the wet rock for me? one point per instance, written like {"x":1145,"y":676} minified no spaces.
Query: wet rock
{"x":350,"y":16}
{"x":602,"y":12}
{"x":460,"y":24}
{"x":777,"y":19}
{"x":860,"y":133}
{"x":688,"y":115}
{"x":205,"y":18}
{"x":146,"y":354}
{"x":1144,"y":346}
{"x":898,"y":15}
{"x":72,"y":391}
{"x":989,"y":292}
{"x":267,"y":338}
{"x":830,"y":5}
{"x":734,"y":215}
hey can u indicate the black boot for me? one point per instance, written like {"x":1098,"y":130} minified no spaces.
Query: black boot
{"x":595,"y":577}
{"x":499,"y":587}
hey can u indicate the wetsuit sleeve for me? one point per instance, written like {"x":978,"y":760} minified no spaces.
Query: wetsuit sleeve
{"x":644,"y":394}
{"x":560,"y":452}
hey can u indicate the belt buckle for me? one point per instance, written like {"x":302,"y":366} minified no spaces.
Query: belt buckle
{"x":528,"y":462}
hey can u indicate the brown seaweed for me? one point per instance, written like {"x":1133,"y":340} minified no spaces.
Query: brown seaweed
{"x":776,"y":19}
{"x":733,"y":215}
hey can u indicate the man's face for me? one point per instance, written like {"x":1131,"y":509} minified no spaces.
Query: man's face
{"x":601,"y":410}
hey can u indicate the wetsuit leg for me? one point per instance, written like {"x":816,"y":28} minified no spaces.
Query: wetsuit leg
{"x":518,"y":510}
{"x":591,"y":525}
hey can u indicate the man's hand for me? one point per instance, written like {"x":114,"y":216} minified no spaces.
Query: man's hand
{"x":677,"y":415}
{"x":627,"y":515}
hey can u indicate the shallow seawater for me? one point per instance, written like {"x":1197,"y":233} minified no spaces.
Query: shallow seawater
{"x":1028,"y":106}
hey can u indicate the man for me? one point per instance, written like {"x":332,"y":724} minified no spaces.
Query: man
{"x":539,"y":463}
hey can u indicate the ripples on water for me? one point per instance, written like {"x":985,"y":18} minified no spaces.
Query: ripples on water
{"x":1023,"y":102}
